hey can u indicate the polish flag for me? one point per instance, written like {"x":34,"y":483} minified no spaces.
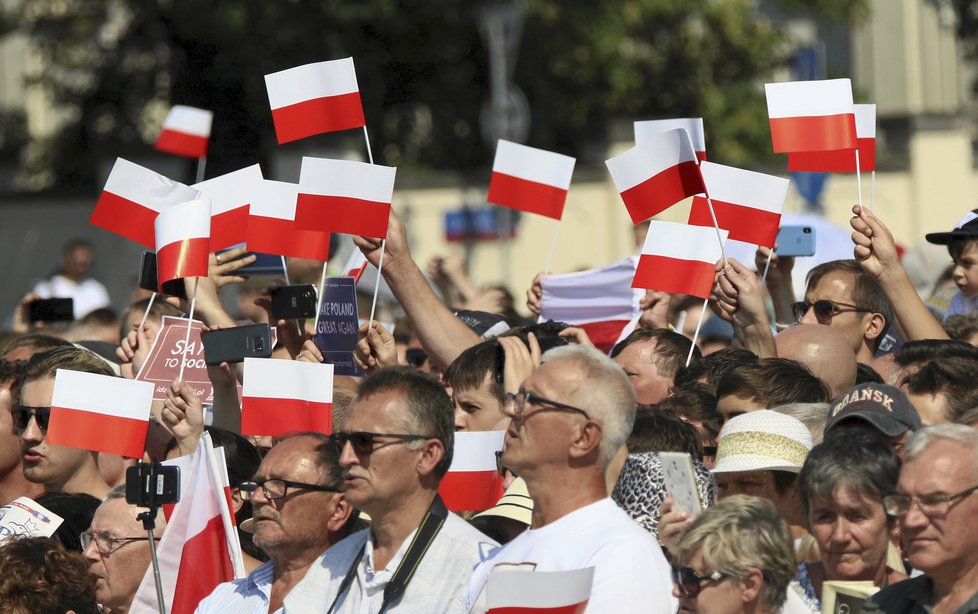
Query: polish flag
{"x":132,"y":198}
{"x":514,"y":591}
{"x":679,"y":259}
{"x":843,"y":160}
{"x":747,"y":204}
{"x":344,"y":196}
{"x":646,"y":131}
{"x":272,"y":228}
{"x":530,"y":179}
{"x":230,"y":195}
{"x":313,"y":99}
{"x":811,"y":115}
{"x":282,"y":396}
{"x":186,"y":132}
{"x":356,"y":264}
{"x":101,"y":413}
{"x":473,"y":481}
{"x":183,"y":241}
{"x":657,"y":174}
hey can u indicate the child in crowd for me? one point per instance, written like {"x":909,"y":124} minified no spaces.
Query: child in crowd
{"x":962,"y":244}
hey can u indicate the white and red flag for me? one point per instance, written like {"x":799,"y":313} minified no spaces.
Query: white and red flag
{"x":530,"y":179}
{"x":282,"y":396}
{"x":186,"y":132}
{"x":344,"y":196}
{"x":314,"y":98}
{"x":102,"y":413}
{"x":132,"y":198}
{"x":515,"y":591}
{"x":355,"y":265}
{"x":657,"y":174}
{"x":811,"y":115}
{"x":679,"y":259}
{"x":747,"y":204}
{"x":230,"y":195}
{"x":644,"y":130}
{"x":272,"y":228}
{"x":843,"y":160}
{"x":473,"y":481}
{"x":183,"y":241}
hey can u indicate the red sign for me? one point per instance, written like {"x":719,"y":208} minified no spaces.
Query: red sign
{"x":163,"y":363}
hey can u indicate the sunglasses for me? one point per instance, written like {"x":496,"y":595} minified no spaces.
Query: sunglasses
{"x":365,"y":443}
{"x":824,"y":309}
{"x":690,"y":582}
{"x":22,"y":415}
{"x":415,"y":357}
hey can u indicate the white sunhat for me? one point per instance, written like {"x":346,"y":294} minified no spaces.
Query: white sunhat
{"x":762,"y":440}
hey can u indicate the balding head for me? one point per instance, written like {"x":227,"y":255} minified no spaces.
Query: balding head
{"x":824,"y":350}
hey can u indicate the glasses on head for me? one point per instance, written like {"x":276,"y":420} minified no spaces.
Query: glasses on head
{"x":521,"y":398}
{"x":106,"y":544}
{"x":936,"y":505}
{"x":690,"y":582}
{"x":22,"y":416}
{"x":824,"y":309}
{"x":365,"y":443}
{"x":276,"y":488}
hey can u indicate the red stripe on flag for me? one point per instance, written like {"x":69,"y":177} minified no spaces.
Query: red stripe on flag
{"x":126,"y":218}
{"x":577,"y":608}
{"x":524,"y":195}
{"x":674,"y":275}
{"x":182,"y":144}
{"x":744,"y":223}
{"x":187,"y":258}
{"x":205,"y":563}
{"x":701,"y":156}
{"x":465,"y":491}
{"x":90,"y":430}
{"x":229,"y":228}
{"x":604,"y":334}
{"x":661,"y":191}
{"x":353,"y":216}
{"x":272,"y":417}
{"x":818,"y":133}
{"x":838,"y":161}
{"x":316,"y":116}
{"x":270,"y":235}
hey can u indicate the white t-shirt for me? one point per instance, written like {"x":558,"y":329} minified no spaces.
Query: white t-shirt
{"x":88,"y":295}
{"x":630,"y":572}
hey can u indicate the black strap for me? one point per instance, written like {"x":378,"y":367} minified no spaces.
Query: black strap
{"x":433,"y":520}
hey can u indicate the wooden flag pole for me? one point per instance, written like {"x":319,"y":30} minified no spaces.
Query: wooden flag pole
{"x":859,"y":179}
{"x":190,"y":321}
{"x":201,"y":165}
{"x":553,"y":248}
{"x":696,"y":333}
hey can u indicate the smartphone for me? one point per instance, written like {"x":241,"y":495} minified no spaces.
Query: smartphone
{"x":264,"y":264}
{"x":294,"y":302}
{"x":546,"y":343}
{"x":148,"y":279}
{"x":795,"y":241}
{"x":152,"y":484}
{"x":236,"y":344}
{"x":679,"y":479}
{"x":52,"y":310}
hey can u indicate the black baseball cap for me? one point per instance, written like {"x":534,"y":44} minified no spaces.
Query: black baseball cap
{"x":967,"y":227}
{"x":884,"y":407}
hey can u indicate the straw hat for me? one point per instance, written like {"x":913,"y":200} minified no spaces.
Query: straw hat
{"x":762,"y":440}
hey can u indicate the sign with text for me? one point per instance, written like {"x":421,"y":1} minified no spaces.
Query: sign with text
{"x":163,"y":363}
{"x":23,"y":517}
{"x":336,"y":332}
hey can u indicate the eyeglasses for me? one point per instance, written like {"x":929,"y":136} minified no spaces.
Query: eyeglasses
{"x":22,"y":416}
{"x":825,"y":310}
{"x":107,"y":544}
{"x":365,"y":443}
{"x":521,"y":398}
{"x":276,"y":488}
{"x":690,"y":582}
{"x":937,"y":505}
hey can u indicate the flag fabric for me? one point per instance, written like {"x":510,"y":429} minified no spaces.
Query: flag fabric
{"x":281,"y":396}
{"x":515,"y":591}
{"x":746,"y":203}
{"x":679,"y":259}
{"x":272,"y":228}
{"x":344,"y":196}
{"x":657,"y":174}
{"x":183,"y":241}
{"x":132,"y":198}
{"x":186,"y":132}
{"x":314,"y":98}
{"x":530,"y":179}
{"x":473,"y":481}
{"x":230,"y":195}
{"x":843,"y":160}
{"x":811,"y":115}
{"x":693,"y":126}
{"x":355,"y":265}
{"x":102,"y":413}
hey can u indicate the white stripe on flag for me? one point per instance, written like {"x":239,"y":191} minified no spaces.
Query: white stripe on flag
{"x":865,"y":121}
{"x":809,"y":98}
{"x":190,"y":120}
{"x":189,"y":220}
{"x":514,"y":588}
{"x":642,"y":162}
{"x":347,"y":178}
{"x":533,"y":164}
{"x":311,"y":81}
{"x":682,"y":241}
{"x":745,"y":188}
{"x":275,"y":199}
{"x":269,"y":378}
{"x":231,"y":190}
{"x":476,"y":451}
{"x":146,"y":187}
{"x":103,"y":394}
{"x":646,"y":130}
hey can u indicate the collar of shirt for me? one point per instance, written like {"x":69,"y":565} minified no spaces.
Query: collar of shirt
{"x":372,"y":576}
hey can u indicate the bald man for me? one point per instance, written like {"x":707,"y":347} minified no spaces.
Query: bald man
{"x":824,"y":350}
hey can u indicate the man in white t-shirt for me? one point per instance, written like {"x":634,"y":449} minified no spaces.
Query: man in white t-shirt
{"x":568,"y":420}
{"x":73,"y":282}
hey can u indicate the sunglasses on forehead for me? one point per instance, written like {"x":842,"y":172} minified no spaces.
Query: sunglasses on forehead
{"x":22,"y":414}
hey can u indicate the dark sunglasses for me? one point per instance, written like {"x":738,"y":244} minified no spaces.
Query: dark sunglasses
{"x":825,"y":310}
{"x":415,"y":357}
{"x":364,"y":443}
{"x":690,"y":582}
{"x":22,"y":416}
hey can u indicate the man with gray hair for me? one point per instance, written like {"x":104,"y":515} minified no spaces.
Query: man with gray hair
{"x":569,"y":418}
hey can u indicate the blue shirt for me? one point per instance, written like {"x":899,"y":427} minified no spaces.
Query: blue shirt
{"x":245,"y":596}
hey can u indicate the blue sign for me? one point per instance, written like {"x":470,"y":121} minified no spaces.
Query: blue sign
{"x":336,"y":332}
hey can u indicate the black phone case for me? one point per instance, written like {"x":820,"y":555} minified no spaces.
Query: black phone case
{"x":235,"y":344}
{"x":294,"y":302}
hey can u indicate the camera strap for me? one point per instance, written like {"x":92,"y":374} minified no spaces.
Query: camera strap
{"x":433,"y":521}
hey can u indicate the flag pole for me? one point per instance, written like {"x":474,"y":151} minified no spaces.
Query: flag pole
{"x":859,"y":179}
{"x":872,"y":190}
{"x":319,"y":301}
{"x":366,"y":139}
{"x":716,"y":227}
{"x":383,"y":243}
{"x":190,"y":321}
{"x":767,"y":265}
{"x":553,"y":248}
{"x":201,"y":165}
{"x":696,"y":333}
{"x":146,"y":313}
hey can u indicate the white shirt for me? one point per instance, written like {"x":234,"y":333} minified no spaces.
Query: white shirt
{"x":630,"y":572}
{"x":249,"y":595}
{"x":438,"y":585}
{"x":88,"y":295}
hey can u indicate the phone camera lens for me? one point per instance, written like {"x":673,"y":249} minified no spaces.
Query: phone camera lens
{"x":259,"y":344}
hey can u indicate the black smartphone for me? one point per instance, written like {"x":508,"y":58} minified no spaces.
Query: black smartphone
{"x":294,"y":302}
{"x":236,"y":344}
{"x":52,"y":310}
{"x":546,"y":343}
{"x":148,"y":278}
{"x":152,"y":484}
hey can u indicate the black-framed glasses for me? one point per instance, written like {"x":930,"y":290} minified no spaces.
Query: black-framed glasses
{"x":364,"y":442}
{"x":275,"y":488}
{"x":106,"y":544}
{"x":825,"y":310}
{"x":936,"y":505}
{"x":21,"y":416}
{"x":521,"y":398}
{"x":690,"y":582}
